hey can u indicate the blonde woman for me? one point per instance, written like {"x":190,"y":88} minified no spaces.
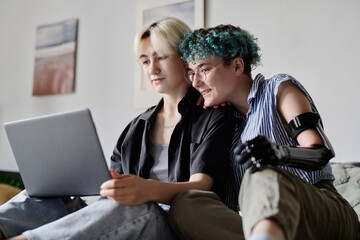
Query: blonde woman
{"x":171,"y":147}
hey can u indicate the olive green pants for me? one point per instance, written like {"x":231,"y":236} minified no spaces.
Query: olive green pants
{"x":304,"y":211}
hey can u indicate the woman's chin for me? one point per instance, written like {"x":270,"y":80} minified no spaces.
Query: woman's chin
{"x":209,"y":103}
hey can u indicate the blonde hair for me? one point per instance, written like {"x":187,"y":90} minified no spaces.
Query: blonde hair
{"x":165,"y":35}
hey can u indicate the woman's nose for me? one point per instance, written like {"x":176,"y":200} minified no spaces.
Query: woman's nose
{"x":197,"y":80}
{"x":154,"y":68}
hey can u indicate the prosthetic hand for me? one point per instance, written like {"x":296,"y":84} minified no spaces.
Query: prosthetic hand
{"x":261,"y":151}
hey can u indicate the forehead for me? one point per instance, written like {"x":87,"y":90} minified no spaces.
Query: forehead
{"x":146,"y":47}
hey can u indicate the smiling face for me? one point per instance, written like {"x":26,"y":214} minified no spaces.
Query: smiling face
{"x":219,"y":84}
{"x":164,"y":71}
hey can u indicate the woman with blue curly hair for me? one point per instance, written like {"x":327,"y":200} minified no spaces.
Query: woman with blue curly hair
{"x":281,"y":153}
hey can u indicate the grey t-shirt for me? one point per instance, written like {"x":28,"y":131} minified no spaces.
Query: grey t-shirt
{"x":159,"y":152}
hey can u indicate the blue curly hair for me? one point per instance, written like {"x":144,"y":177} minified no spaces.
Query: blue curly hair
{"x":227,"y":41}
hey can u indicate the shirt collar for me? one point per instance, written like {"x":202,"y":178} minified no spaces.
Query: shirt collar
{"x":189,"y":100}
{"x":259,"y":79}
{"x":150,"y":113}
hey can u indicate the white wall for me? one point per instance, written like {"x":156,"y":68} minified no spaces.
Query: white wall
{"x":315,"y":41}
{"x":104,"y":71}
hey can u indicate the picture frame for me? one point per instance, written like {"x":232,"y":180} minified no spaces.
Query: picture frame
{"x":55,"y":58}
{"x":191,"y":12}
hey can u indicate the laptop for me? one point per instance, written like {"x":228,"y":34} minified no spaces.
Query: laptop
{"x":58,"y":154}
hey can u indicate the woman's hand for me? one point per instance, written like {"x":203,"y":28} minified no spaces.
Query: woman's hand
{"x":129,"y":189}
{"x":126,"y":189}
{"x":201,"y":101}
{"x":221,"y":105}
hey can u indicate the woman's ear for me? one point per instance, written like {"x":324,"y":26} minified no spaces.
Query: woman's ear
{"x":239,"y":65}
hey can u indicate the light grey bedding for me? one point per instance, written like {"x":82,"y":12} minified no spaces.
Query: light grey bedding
{"x":347,"y":182}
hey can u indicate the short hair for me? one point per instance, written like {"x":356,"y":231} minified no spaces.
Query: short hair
{"x":165,"y":35}
{"x":227,"y":41}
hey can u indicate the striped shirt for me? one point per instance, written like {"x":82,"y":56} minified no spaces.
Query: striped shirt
{"x":263,"y":119}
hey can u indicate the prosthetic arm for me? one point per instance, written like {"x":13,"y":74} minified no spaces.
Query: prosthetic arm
{"x":261,"y":151}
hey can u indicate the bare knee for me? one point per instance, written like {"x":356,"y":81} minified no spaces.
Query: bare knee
{"x":270,"y":227}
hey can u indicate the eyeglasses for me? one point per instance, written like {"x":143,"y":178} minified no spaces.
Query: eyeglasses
{"x":201,"y":72}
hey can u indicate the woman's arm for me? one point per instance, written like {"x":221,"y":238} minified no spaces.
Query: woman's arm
{"x":129,"y":189}
{"x":292,"y":102}
{"x":314,"y":150}
{"x":211,"y":135}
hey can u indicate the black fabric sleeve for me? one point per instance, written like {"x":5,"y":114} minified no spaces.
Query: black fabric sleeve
{"x":115,"y":159}
{"x":210,"y":152}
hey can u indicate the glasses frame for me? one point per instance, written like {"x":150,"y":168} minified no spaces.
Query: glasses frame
{"x":201,"y":72}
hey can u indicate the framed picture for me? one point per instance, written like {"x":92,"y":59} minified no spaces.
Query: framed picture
{"x":191,"y":12}
{"x":55,"y":58}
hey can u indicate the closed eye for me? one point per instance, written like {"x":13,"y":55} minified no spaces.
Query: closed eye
{"x":145,"y":62}
{"x":205,"y":70}
{"x":190,"y":73}
{"x":162,"y":58}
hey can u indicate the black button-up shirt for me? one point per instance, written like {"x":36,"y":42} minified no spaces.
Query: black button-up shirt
{"x":200,"y":143}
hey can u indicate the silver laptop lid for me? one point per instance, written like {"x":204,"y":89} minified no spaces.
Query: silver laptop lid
{"x":59,"y":154}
